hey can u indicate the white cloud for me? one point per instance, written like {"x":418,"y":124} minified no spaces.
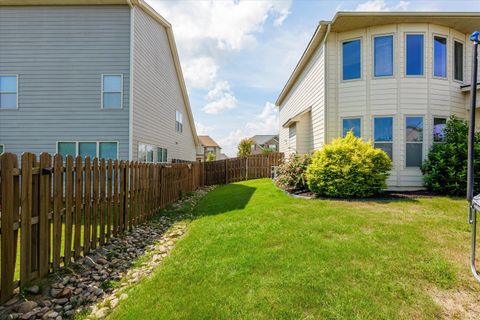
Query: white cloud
{"x":381,"y":5}
{"x":266,"y":122}
{"x":221,"y":98}
{"x":203,"y":129}
{"x":230,"y":142}
{"x":200,"y":72}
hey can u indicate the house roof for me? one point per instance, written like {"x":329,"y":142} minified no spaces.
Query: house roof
{"x":264,"y":138}
{"x":207,"y":141}
{"x":465,"y":22}
{"x":146,"y":8}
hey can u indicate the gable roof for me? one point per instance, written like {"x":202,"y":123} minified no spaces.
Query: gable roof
{"x":465,"y":22}
{"x":207,"y":141}
{"x":131,"y":3}
{"x":264,"y":138}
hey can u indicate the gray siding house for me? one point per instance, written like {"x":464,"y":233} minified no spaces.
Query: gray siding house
{"x":98,"y":78}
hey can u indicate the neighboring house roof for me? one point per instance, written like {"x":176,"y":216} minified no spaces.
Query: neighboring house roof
{"x":207,"y":141}
{"x":146,"y":8}
{"x":264,"y":138}
{"x":465,"y":22}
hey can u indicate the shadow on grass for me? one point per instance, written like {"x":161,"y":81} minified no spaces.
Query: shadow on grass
{"x":225,"y":199}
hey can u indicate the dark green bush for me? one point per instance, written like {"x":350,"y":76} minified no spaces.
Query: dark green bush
{"x":348,"y":168}
{"x":291,"y":173}
{"x":445,"y":169}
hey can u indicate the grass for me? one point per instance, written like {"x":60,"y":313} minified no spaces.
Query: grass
{"x":252,"y":252}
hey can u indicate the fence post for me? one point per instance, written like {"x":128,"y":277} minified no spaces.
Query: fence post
{"x":28,"y":160}
{"x":44,"y":221}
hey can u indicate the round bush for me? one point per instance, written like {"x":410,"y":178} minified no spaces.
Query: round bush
{"x":348,"y":168}
{"x":291,"y":173}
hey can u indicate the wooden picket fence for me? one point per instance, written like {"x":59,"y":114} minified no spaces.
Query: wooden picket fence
{"x":54,"y":210}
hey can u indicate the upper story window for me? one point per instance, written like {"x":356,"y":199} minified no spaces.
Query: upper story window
{"x":354,"y":125}
{"x":414,"y":55}
{"x":178,"y":121}
{"x":383,"y":56}
{"x":351,"y":53}
{"x":112,"y":85}
{"x":458,"y":60}
{"x":440,"y":56}
{"x":383,"y":134}
{"x":8,"y":92}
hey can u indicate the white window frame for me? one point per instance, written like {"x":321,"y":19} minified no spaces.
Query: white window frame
{"x":361,"y":59}
{"x":405,"y":138}
{"x":179,"y":129}
{"x":121,"y":91}
{"x":394,"y":45}
{"x":433,"y":124}
{"x":438,"y":35}
{"x":352,"y":117}
{"x":97,"y":151}
{"x":3,"y":148}
{"x":16,"y":92}
{"x":453,"y":60}
{"x":393,"y":133}
{"x":165,"y":160}
{"x":154,"y":147}
{"x":405,"y":75}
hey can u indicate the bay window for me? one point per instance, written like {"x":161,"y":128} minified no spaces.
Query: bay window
{"x":352,"y":124}
{"x":383,"y":134}
{"x":440,"y":56}
{"x":351,"y":55}
{"x":383,"y":56}
{"x":458,"y":60}
{"x":414,"y":141}
{"x":414,"y":55}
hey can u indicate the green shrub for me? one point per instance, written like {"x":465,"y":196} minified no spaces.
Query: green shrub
{"x":445,"y":169}
{"x":347,"y":168}
{"x":291,"y":173}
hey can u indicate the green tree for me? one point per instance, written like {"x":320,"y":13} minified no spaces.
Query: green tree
{"x":245,"y":147}
{"x":210,"y":156}
{"x":445,"y":169}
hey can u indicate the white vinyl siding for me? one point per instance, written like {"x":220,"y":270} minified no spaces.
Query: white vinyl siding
{"x":156,"y":92}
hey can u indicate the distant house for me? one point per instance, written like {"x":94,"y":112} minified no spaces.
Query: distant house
{"x":263,"y":142}
{"x":389,"y":77}
{"x":208,"y":145}
{"x":92,"y":78}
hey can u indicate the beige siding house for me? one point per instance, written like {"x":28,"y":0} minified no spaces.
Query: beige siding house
{"x":392,"y":78}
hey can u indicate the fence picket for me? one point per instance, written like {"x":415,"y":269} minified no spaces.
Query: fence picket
{"x":78,"y":206}
{"x":28,"y":160}
{"x":68,"y":210}
{"x":57,"y":208}
{"x":88,"y":206}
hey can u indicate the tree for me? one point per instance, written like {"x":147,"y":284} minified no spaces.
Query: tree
{"x":210,"y":156}
{"x":245,"y":147}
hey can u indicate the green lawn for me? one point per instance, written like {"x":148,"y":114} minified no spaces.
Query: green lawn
{"x":255,"y":253}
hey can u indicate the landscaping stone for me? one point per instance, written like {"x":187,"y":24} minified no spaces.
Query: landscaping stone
{"x":88,"y":280}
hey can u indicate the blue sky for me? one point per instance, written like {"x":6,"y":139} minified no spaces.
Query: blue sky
{"x":237,"y":55}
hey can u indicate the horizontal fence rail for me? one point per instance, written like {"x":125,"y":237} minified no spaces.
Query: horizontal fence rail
{"x":53,"y":210}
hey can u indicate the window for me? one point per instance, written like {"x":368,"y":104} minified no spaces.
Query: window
{"x":414,"y":55}
{"x":112,"y":91}
{"x":414,"y":141}
{"x":354,"y":125}
{"x":145,"y":152}
{"x":383,"y":56}
{"x":383,"y":134}
{"x":108,"y":150}
{"x":439,"y":125}
{"x":458,"y":62}
{"x":440,"y":57}
{"x":162,"y":155}
{"x":102,"y":150}
{"x":8,"y":92}
{"x":272,"y":146}
{"x":351,"y":59}
{"x":178,"y":121}
{"x":67,"y":148}
{"x":87,"y":149}
{"x":2,"y":148}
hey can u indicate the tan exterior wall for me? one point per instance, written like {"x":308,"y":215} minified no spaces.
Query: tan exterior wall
{"x":397,"y":96}
{"x":156,"y":93}
{"x":307,"y":93}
